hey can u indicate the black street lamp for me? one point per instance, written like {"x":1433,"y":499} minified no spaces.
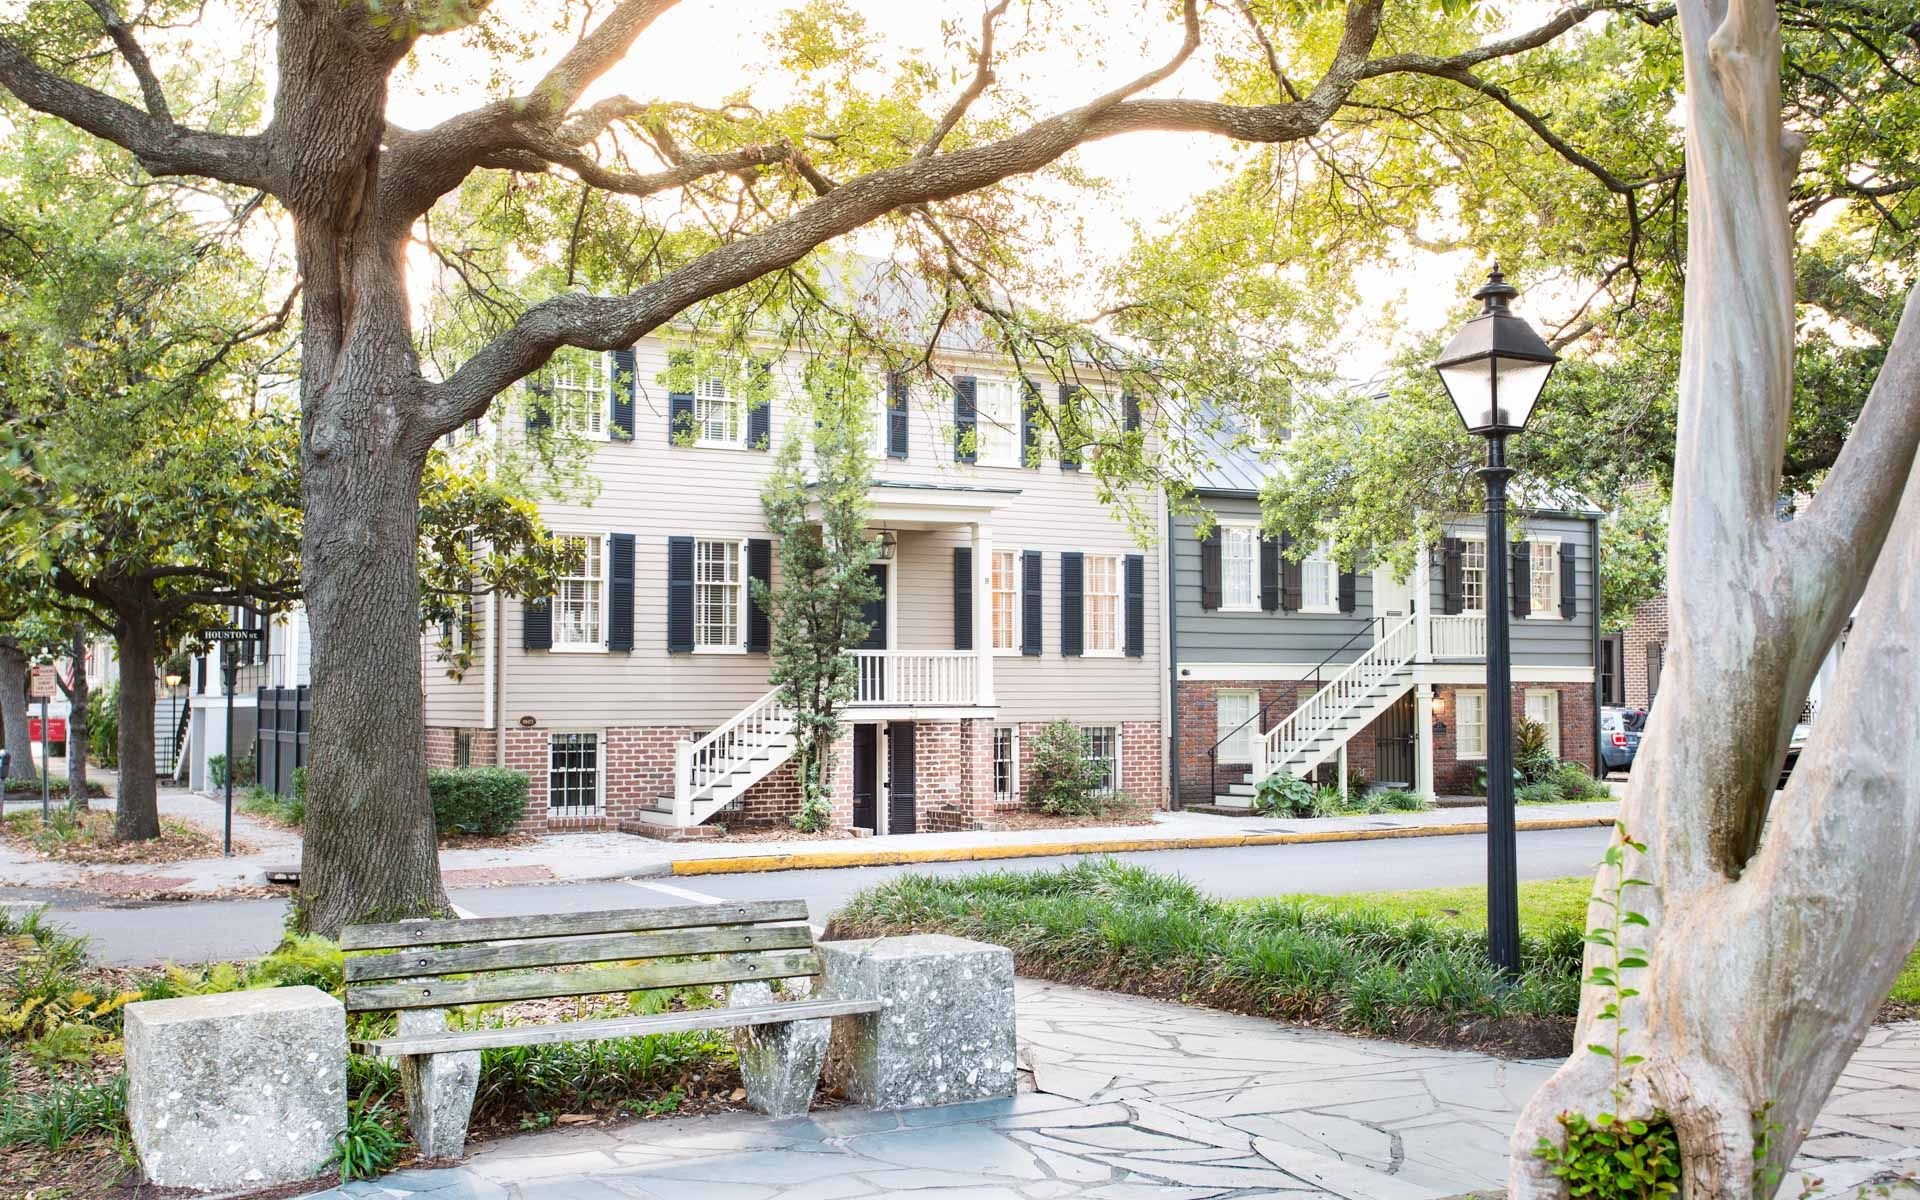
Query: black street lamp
{"x":1494,"y":370}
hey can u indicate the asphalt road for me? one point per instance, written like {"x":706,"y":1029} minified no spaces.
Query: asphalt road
{"x":153,"y":933}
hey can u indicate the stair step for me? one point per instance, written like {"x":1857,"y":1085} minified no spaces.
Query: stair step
{"x":1236,"y":803}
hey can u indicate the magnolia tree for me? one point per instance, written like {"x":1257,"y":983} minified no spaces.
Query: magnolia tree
{"x":1769,"y":927}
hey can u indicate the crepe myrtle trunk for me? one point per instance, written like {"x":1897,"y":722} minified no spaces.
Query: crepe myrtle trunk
{"x":13,"y":710}
{"x":136,"y":815}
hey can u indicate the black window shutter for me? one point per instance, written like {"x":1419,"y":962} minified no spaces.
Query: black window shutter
{"x":896,"y":415}
{"x":1130,"y":405}
{"x":620,"y":592}
{"x":1031,"y":413}
{"x":1073,"y":573}
{"x":679,"y":404}
{"x":624,"y":384}
{"x":536,"y":624}
{"x":1069,"y":427}
{"x":1453,"y":584}
{"x":965,"y":418}
{"x":539,"y":407}
{"x":963,"y":598}
{"x":1289,"y":577}
{"x":760,"y":567}
{"x":1210,"y":570}
{"x":1270,"y":574}
{"x":680,"y":595}
{"x":1349,"y":592}
{"x":1569,"y":600}
{"x":1136,"y":589}
{"x":1521,"y":578}
{"x":1030,"y":632}
{"x":760,"y":408}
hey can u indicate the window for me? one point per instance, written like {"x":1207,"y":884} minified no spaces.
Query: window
{"x":717,"y":595}
{"x":1319,"y":582}
{"x":1006,"y":764}
{"x":1240,"y":568}
{"x":1470,"y":725}
{"x":1005,"y":598}
{"x":578,"y":610}
{"x":717,"y":416}
{"x":573,"y":775}
{"x":1473,"y":575}
{"x":1543,"y":578}
{"x":1543,"y":707}
{"x":996,"y":430}
{"x":1102,"y":596}
{"x":1234,"y":726}
{"x":579,"y":387}
{"x":1103,"y":749}
{"x":463,"y":747}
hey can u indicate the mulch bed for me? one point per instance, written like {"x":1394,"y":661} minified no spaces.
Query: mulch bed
{"x":1020,"y":818}
{"x":477,"y":841}
{"x":93,"y":843}
{"x":780,"y":833}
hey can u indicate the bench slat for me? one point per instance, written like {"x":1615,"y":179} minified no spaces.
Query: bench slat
{"x":540,"y":925}
{"x":492,"y":989}
{"x":554,"y":952}
{"x":617,"y":1027}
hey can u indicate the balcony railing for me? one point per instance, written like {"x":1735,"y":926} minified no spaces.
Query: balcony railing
{"x":1462,"y":636}
{"x":925,"y":677}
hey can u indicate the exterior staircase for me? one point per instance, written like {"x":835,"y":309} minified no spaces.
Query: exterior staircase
{"x":1348,"y":703}
{"x":713,"y":772}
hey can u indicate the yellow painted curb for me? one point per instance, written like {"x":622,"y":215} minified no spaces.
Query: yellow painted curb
{"x":811,"y":860}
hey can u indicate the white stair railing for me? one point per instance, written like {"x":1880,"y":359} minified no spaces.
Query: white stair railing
{"x":1342,"y":694}
{"x":698,"y":766}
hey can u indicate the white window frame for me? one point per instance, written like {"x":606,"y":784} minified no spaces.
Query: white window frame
{"x":1249,"y":726}
{"x":1012,"y":794}
{"x":1114,"y":773}
{"x":1552,"y":722}
{"x":1014,"y":606}
{"x":718,"y":388}
{"x":584,"y":413}
{"x":991,"y":396}
{"x":599,"y":773}
{"x":1550,"y":611}
{"x":744,"y":586}
{"x":1119,"y":597}
{"x":882,"y":408}
{"x":1461,"y":751}
{"x":556,"y":604}
{"x":1245,"y":533}
{"x":1467,"y":543}
{"x":1319,"y":562}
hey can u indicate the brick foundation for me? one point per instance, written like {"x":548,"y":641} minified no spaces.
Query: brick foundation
{"x":1457,"y":777}
{"x":1643,"y":640}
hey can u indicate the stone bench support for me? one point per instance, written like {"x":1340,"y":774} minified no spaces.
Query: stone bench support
{"x":779,"y":1064}
{"x":945,"y":1030}
{"x":439,"y":1088}
{"x":241,"y":1089}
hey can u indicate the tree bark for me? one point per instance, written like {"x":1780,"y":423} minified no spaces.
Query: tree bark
{"x":1775,"y":925}
{"x":13,"y":710}
{"x":136,"y":813}
{"x":78,"y":694}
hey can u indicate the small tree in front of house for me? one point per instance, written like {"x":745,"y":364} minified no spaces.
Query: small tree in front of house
{"x":816,"y":509}
{"x":1063,"y":780}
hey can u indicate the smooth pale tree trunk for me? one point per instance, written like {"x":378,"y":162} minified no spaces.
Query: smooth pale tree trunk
{"x":13,"y":710}
{"x":78,"y":694}
{"x":136,"y":812}
{"x":1775,"y":925}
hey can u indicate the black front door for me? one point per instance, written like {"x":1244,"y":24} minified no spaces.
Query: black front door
{"x":900,"y":776}
{"x":866,"y":776}
{"x":1393,"y":748}
{"x":876,"y":611}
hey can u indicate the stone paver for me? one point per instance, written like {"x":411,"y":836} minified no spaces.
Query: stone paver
{"x":1154,"y":1101}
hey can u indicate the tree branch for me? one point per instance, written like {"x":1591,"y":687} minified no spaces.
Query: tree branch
{"x":982,"y":76}
{"x":130,"y":49}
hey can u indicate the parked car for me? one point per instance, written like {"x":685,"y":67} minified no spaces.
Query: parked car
{"x":1620,"y":730}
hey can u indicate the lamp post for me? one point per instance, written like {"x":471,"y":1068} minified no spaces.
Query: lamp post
{"x":1494,"y":370}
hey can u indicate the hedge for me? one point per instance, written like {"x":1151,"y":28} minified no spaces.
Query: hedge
{"x":484,"y":800}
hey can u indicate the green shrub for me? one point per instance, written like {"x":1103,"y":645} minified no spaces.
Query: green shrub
{"x":483,"y":800}
{"x":1282,"y":795}
{"x":242,"y":770}
{"x":369,"y":1146}
{"x":103,"y":725}
{"x":1610,"y":1159}
{"x":1533,"y":761}
{"x":64,"y":1112}
{"x":1544,"y":792}
{"x":1396,"y":800}
{"x":1061,"y":780}
{"x":1575,"y":784}
{"x":284,"y":810}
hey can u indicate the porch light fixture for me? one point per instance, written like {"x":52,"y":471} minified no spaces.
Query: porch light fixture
{"x":1494,"y":370}
{"x":884,"y":545}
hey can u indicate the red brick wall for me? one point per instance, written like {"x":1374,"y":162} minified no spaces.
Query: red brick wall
{"x":953,"y":775}
{"x":1199,"y":729}
{"x":439,"y":746}
{"x":1453,"y":777}
{"x":1649,"y":627}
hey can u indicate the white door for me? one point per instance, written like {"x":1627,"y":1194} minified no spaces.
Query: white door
{"x":1234,"y":711}
{"x":1391,"y":597}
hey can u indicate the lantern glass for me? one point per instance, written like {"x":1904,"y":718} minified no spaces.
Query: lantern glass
{"x":1495,"y":393}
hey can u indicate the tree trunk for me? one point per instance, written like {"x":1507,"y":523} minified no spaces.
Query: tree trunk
{"x":1775,"y":925}
{"x":136,"y":813}
{"x":78,"y":693}
{"x":13,"y":710}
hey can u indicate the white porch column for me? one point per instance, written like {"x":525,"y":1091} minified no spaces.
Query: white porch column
{"x":983,"y":610}
{"x":1423,"y":608}
{"x":1423,"y":728}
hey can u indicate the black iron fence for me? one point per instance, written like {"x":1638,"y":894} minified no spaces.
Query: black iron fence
{"x":280,"y":740}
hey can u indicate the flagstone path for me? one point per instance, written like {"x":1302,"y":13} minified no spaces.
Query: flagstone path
{"x":1140,"y":1099}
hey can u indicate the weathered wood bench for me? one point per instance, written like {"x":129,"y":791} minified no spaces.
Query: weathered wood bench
{"x":441,"y":964}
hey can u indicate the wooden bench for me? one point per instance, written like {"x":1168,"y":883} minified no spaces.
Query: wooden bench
{"x":442,"y":964}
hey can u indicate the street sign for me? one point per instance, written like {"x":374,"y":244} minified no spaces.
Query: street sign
{"x":231,"y":635}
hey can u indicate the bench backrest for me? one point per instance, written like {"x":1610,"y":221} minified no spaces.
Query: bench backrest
{"x":683,"y":946}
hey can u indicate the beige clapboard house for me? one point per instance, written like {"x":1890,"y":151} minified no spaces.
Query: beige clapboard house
{"x":638,"y":697}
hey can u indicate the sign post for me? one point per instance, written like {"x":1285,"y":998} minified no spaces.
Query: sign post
{"x":46,"y":766}
{"x":229,"y":641}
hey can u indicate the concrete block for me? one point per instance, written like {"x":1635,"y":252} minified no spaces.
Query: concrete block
{"x":945,"y":1031}
{"x":439,"y":1088}
{"x":779,"y":1064}
{"x":242,"y":1089}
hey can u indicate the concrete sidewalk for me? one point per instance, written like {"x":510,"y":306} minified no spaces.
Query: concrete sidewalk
{"x":1137,"y":1098}
{"x":608,"y":855}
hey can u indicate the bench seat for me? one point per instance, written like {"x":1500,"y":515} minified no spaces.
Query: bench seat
{"x":616,"y":1027}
